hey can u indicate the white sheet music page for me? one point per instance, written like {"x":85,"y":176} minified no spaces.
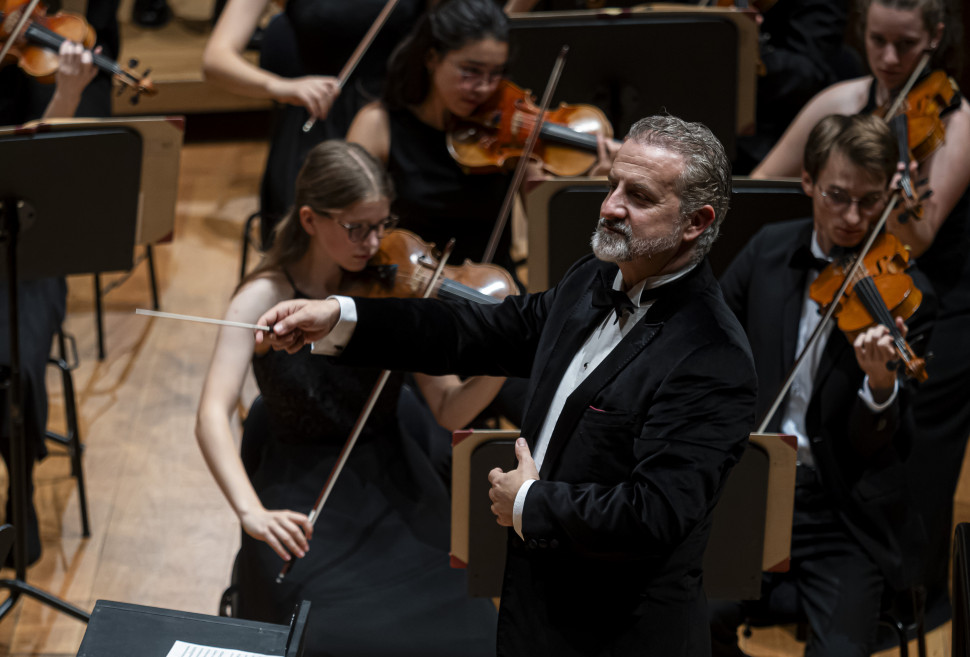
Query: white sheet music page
{"x":183,"y":649}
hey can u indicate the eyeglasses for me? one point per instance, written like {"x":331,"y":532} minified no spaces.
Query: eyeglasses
{"x":360,"y":231}
{"x":838,"y":201}
{"x":474,"y":75}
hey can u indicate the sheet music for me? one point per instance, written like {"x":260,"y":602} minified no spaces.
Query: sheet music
{"x":183,"y":649}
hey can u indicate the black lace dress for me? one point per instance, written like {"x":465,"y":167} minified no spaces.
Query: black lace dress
{"x":377,"y":572}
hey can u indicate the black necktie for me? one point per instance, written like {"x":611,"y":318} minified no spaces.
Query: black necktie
{"x":604,"y":297}
{"x":804,"y":259}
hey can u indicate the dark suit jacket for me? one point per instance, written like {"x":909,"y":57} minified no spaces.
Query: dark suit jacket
{"x":616,"y":527}
{"x":859,"y":453}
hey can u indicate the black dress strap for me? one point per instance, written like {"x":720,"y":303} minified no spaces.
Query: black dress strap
{"x":297,"y":293}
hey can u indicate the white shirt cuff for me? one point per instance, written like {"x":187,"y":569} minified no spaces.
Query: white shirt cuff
{"x":334,"y":342}
{"x":519,"y":506}
{"x":866,"y":394}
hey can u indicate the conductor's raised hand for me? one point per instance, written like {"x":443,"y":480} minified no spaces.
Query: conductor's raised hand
{"x":287,"y":532}
{"x":297,"y":322}
{"x":506,"y":485}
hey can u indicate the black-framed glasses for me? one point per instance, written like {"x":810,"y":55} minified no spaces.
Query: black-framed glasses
{"x":358,"y":232}
{"x":839,"y":201}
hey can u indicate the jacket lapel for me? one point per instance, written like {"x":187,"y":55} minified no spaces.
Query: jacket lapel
{"x":676,"y":295}
{"x":572,"y":335}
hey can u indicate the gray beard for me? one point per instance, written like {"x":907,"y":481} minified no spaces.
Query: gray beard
{"x":623,"y":247}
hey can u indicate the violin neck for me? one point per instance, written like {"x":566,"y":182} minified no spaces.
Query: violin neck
{"x":451,"y":290}
{"x":48,"y":39}
{"x":567,"y":137}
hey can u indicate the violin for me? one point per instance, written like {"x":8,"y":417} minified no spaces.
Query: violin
{"x":924,"y":105}
{"x":33,"y":40}
{"x":405,"y":264}
{"x":493,"y":138}
{"x":878,"y":290}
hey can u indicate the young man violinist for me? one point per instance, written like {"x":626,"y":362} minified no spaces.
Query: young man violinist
{"x":855,"y":530}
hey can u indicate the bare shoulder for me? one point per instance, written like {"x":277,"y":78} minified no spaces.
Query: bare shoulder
{"x":257,"y":296}
{"x":848,"y":97}
{"x":371,"y":128}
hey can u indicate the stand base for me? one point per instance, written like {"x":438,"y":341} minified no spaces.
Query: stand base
{"x":18,"y":588}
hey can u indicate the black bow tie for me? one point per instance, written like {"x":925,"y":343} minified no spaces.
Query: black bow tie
{"x":804,"y":259}
{"x":604,"y":297}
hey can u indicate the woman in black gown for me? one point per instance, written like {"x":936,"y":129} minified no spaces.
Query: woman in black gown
{"x":377,"y":568}
{"x":302,"y":50}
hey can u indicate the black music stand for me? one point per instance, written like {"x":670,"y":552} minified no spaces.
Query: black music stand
{"x":562,"y":216}
{"x":86,"y":224}
{"x":633,"y":65}
{"x":119,"y":629}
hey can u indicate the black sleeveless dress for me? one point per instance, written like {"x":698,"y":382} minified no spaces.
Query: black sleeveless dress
{"x":317,"y":37}
{"x":941,"y":409}
{"x":436,"y":199}
{"x":377,"y":572}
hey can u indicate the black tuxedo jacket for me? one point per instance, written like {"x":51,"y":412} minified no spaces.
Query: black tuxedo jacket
{"x":859,"y":454}
{"x":616,"y":527}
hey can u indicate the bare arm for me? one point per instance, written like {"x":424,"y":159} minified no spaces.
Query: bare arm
{"x":948,"y":171}
{"x":371,"y":129}
{"x":223,"y":63}
{"x":283,"y":530}
{"x":454,"y":402}
{"x":785,"y":159}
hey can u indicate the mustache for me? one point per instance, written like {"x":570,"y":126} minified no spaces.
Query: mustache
{"x":616,"y":225}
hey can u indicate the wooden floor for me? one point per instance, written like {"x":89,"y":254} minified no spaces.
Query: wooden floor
{"x":162,"y":535}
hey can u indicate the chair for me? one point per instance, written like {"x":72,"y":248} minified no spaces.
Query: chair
{"x":247,"y":241}
{"x":72,"y":440}
{"x":99,"y":293}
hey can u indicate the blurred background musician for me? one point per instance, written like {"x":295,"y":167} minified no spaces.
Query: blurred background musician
{"x":301,"y":51}
{"x":896,"y":34}
{"x":377,"y":568}
{"x":42,"y":302}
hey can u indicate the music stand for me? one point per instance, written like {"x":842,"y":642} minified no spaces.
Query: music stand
{"x":86,"y":225}
{"x":562,"y":216}
{"x":713,"y":84}
{"x":750,"y":532}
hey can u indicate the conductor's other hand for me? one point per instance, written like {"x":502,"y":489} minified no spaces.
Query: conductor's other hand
{"x":287,"y":532}
{"x":298,"y":322}
{"x":506,"y":485}
{"x":314,"y":92}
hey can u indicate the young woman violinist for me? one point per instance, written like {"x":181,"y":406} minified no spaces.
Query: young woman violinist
{"x":377,"y":568}
{"x":897,"y":33}
{"x":445,"y":69}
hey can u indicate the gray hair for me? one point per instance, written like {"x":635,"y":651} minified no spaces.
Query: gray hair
{"x":706,"y":178}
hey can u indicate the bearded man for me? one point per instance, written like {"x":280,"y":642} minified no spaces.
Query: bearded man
{"x":641,"y":397}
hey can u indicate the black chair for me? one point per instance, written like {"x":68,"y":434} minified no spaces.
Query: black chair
{"x":72,"y":440}
{"x":247,"y":241}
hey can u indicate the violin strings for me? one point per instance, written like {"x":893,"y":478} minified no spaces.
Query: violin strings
{"x":873,"y":302}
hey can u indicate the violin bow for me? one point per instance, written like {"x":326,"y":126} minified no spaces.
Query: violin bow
{"x":523,"y":163}
{"x":358,"y":54}
{"x":18,"y":28}
{"x":362,"y":419}
{"x":830,"y":311}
